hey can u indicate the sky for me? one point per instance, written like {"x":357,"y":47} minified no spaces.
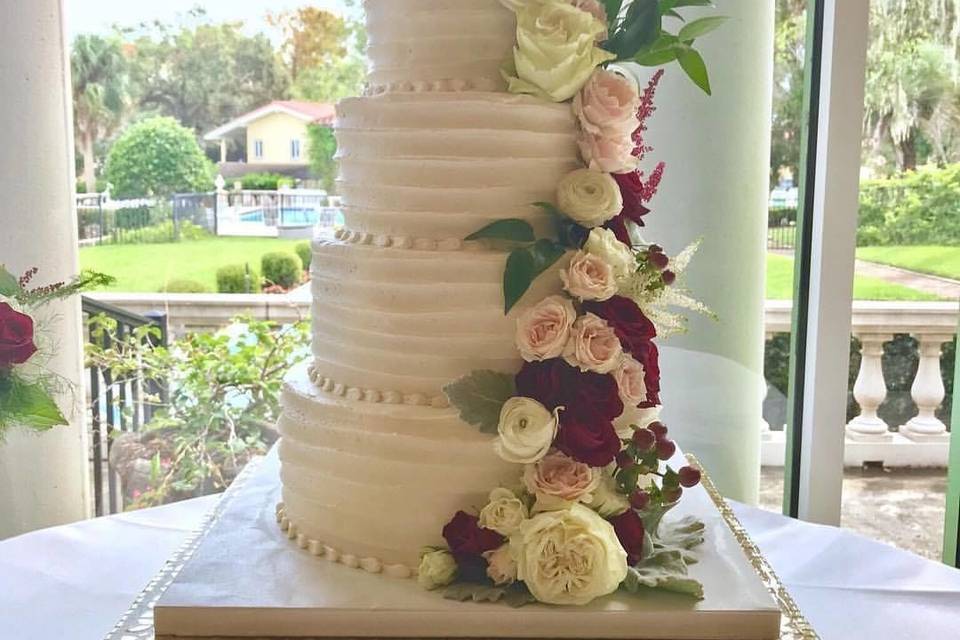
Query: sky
{"x":97,"y":16}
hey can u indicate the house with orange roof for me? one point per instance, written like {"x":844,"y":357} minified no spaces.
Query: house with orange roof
{"x":271,"y":139}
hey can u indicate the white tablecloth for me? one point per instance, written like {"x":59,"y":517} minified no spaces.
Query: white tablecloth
{"x":74,"y":582}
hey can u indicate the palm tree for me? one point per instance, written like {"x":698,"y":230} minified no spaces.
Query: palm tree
{"x":100,"y":94}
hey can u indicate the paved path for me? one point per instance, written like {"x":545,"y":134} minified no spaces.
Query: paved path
{"x":943,"y":287}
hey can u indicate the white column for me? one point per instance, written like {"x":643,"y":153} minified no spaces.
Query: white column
{"x":869,"y":391}
{"x":43,"y":478}
{"x":928,"y":393}
{"x":717,"y":151}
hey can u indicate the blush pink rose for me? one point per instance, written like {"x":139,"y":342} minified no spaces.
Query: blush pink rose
{"x":608,"y":154}
{"x":593,"y":345}
{"x":589,"y":277}
{"x":558,"y":478}
{"x":544,"y":329}
{"x":629,"y":376}
{"x":607,"y":105}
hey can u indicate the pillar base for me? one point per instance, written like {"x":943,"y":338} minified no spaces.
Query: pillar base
{"x":863,"y":429}
{"x":925,"y":431}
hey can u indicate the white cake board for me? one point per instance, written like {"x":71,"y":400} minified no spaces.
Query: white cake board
{"x":247,"y":580}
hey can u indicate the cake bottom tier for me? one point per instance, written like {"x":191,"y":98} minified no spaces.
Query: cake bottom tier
{"x":376,"y":482}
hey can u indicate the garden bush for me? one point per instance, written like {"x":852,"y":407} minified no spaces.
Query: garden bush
{"x":264,"y":181}
{"x":305,"y":253}
{"x":159,"y":233}
{"x":282,"y":269}
{"x":237,"y":278}
{"x":184,"y":285}
{"x":781,"y":216}
{"x":918,"y":207}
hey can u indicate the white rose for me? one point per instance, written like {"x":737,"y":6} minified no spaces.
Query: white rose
{"x":593,"y":7}
{"x":504,"y":512}
{"x":437,"y":569}
{"x":556,"y":49}
{"x":606,"y":500}
{"x":589,"y":197}
{"x":501,"y":567}
{"x":603,"y":243}
{"x":634,"y":417}
{"x":543,"y":329}
{"x":526,"y":429}
{"x":571,"y":556}
{"x":589,"y":277}
{"x":593,"y":345}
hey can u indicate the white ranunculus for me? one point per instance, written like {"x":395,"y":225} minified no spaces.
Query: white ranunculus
{"x":437,"y":569}
{"x":606,"y":500}
{"x":501,"y":567}
{"x":569,"y":557}
{"x":634,"y":417}
{"x":526,"y":429}
{"x":543,"y":329}
{"x":603,"y":243}
{"x":504,"y":513}
{"x":589,"y":197}
{"x":556,"y":49}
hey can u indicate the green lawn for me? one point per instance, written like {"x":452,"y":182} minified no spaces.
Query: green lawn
{"x":147,"y":267}
{"x":780,"y":284}
{"x":937,"y":260}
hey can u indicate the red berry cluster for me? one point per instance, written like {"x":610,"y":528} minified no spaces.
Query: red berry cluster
{"x":657,"y":259}
{"x":641,"y":456}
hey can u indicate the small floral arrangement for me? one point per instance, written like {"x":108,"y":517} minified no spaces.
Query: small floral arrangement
{"x":26,"y":386}
{"x":582,"y":414}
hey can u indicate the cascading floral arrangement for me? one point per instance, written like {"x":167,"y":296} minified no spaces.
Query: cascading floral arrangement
{"x":26,"y":386}
{"x":581,"y":415}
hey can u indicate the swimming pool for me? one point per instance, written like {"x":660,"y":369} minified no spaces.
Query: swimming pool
{"x":296,"y":216}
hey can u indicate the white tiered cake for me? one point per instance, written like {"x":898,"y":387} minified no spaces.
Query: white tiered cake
{"x":401,"y":305}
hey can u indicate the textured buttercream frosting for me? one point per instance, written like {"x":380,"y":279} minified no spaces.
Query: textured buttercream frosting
{"x":374,"y":462}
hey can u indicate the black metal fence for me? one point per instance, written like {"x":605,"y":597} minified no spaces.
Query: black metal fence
{"x":117,"y":406}
{"x":104,"y":221}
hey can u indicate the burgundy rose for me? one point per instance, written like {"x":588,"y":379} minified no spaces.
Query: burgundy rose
{"x":590,"y":440}
{"x":618,"y":224}
{"x":636,"y":333}
{"x":467,"y":539}
{"x":16,"y":336}
{"x":629,"y":528}
{"x":585,"y":394}
{"x":634,"y":192}
{"x":648,"y":355}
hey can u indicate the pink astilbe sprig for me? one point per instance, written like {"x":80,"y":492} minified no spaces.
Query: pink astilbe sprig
{"x":644,"y":111}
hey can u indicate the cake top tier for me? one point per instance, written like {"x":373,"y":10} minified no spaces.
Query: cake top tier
{"x":421,"y":45}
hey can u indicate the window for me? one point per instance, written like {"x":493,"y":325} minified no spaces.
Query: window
{"x":295,"y":149}
{"x":258,"y":149}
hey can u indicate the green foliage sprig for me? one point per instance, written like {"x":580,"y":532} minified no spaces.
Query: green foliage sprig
{"x":637,"y":34}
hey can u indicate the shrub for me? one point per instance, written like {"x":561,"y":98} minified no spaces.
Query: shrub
{"x":184,"y":285}
{"x":237,"y":278}
{"x":157,"y":156}
{"x":282,"y":269}
{"x":305,"y":252}
{"x":918,"y":207}
{"x":158,"y":233}
{"x":781,"y":216}
{"x":263,"y":181}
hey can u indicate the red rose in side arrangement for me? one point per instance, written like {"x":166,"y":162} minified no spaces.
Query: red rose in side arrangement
{"x":16,"y":336}
{"x":467,"y":539}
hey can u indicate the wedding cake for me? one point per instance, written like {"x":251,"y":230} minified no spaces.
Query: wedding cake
{"x":481,"y":405}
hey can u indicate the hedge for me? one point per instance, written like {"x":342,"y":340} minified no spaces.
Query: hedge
{"x":237,"y":278}
{"x":265,"y":181}
{"x":282,"y":269}
{"x":305,"y":253}
{"x":184,"y":285}
{"x":918,"y":207}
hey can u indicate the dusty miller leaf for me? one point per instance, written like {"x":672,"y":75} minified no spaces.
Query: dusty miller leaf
{"x":479,"y":396}
{"x":515,"y":595}
{"x":666,"y":570}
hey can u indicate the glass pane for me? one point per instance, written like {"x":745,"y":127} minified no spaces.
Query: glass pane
{"x":907,"y":279}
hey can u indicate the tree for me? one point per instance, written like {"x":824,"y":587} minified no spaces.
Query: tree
{"x":788,"y":84}
{"x":205,"y":74}
{"x":332,"y":81}
{"x":158,"y":157}
{"x":100,"y":74}
{"x":312,"y":38}
{"x":322,"y":148}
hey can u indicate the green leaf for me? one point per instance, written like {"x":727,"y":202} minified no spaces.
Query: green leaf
{"x":31,"y":406}
{"x":667,"y":5}
{"x":9,"y":285}
{"x":513,"y":229}
{"x":694,"y":66}
{"x":640,"y":28}
{"x":613,"y":11}
{"x":700,"y":27}
{"x":523,"y":267}
{"x":662,"y":51}
{"x":666,"y":570}
{"x":516,"y":595}
{"x":479,"y":396}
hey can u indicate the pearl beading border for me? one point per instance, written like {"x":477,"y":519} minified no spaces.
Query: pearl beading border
{"x":317,"y":548}
{"x":430,"y":86}
{"x":400,"y":242}
{"x":374,"y":396}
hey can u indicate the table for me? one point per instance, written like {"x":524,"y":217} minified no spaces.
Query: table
{"x":74,"y":582}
